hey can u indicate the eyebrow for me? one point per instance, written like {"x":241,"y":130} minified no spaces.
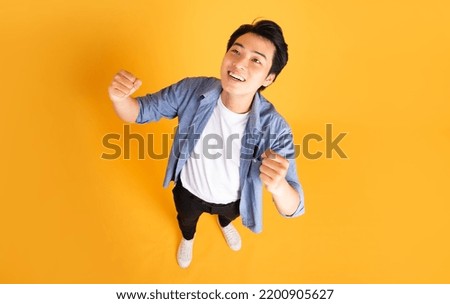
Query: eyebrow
{"x":242,"y":46}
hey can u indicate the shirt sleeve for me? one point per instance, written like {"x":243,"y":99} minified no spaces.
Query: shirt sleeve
{"x":284,"y":145}
{"x":165,"y":103}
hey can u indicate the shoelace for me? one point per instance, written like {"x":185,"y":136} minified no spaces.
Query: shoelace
{"x":229,"y":233}
{"x":185,"y":248}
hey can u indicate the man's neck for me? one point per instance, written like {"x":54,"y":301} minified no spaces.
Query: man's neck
{"x":237,"y":104}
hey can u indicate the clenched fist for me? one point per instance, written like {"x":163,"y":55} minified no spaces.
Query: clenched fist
{"x":273,"y":170}
{"x":123,"y":85}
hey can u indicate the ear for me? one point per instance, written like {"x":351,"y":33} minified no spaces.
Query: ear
{"x":269,"y":80}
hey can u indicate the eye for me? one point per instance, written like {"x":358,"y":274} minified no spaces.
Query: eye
{"x":256,"y":60}
{"x":234,"y":51}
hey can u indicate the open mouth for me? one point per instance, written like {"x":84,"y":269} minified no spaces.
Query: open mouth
{"x":237,"y":77}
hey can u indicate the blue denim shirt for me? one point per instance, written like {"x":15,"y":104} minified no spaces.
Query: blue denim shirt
{"x":192,"y":100}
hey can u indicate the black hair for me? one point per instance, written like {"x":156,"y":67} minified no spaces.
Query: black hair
{"x":270,"y":31}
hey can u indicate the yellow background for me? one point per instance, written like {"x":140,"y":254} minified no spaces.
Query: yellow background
{"x":378,"y":70}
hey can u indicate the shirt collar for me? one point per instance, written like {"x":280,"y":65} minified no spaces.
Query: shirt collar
{"x":254,"y":123}
{"x":211,"y":94}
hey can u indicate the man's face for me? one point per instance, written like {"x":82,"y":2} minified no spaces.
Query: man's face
{"x":246,"y":65}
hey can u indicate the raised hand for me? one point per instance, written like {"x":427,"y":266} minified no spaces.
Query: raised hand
{"x":273,"y":170}
{"x":123,"y":85}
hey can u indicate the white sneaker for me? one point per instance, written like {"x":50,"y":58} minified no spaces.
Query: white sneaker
{"x":184,"y":254}
{"x":232,"y":236}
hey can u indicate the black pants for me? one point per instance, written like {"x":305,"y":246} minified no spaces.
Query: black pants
{"x":190,"y":207}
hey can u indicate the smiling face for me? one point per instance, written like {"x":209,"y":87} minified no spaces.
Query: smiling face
{"x":245,"y":67}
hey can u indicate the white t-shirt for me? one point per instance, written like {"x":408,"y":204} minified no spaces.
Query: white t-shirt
{"x":212,"y":170}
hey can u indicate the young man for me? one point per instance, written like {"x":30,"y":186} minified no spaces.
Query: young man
{"x":230,"y":140}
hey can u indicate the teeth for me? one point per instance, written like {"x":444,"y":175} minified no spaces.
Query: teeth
{"x":235,"y":76}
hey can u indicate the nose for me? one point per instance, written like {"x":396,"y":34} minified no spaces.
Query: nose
{"x":240,"y":63}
